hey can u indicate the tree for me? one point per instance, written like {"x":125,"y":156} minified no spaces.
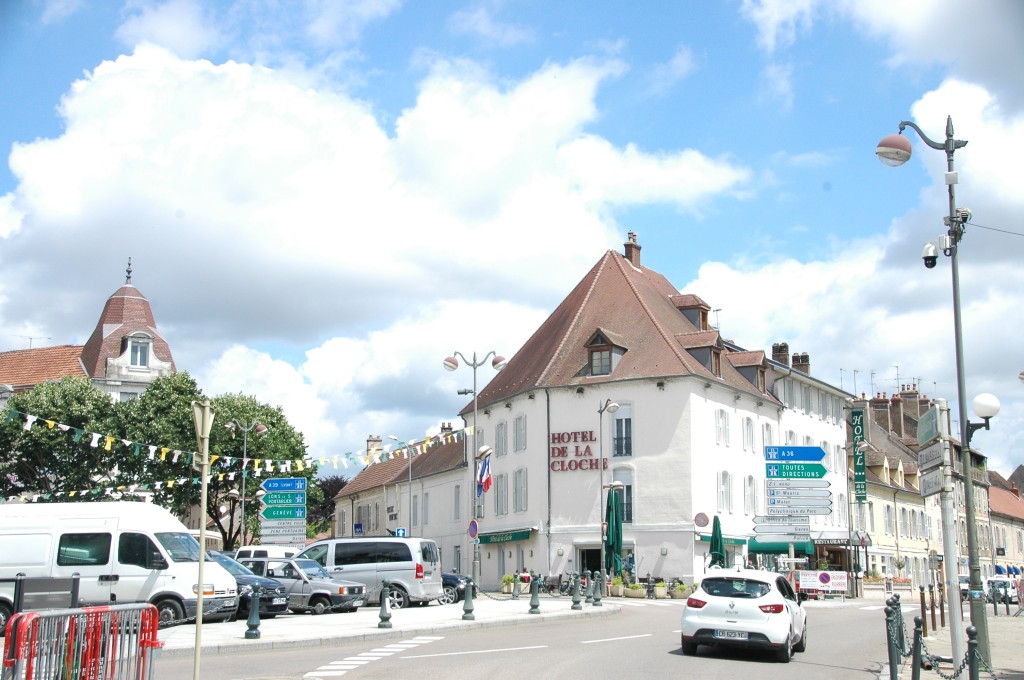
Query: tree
{"x":55,"y":463}
{"x":322,"y":514}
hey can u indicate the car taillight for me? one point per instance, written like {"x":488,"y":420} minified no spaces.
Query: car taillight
{"x":771,"y":608}
{"x":419,"y":570}
{"x":695,"y":603}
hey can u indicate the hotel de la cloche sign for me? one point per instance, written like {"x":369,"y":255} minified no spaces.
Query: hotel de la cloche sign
{"x":571,"y":451}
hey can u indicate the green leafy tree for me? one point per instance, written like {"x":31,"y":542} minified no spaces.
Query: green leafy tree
{"x":50,"y":461}
{"x":321,"y":515}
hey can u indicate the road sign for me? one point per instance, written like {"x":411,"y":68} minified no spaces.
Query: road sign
{"x":783,"y":538}
{"x":928,"y":426}
{"x":931,"y":456}
{"x":474,"y":528}
{"x":797,"y":483}
{"x":811,"y":454}
{"x":799,"y":493}
{"x":283,"y":512}
{"x":781,"y":519}
{"x":931,"y":482}
{"x":282,"y":531}
{"x":401,"y":532}
{"x":794,"y":470}
{"x":802,"y":502}
{"x":284,"y":484}
{"x":284,"y":498}
{"x":783,"y":510}
{"x":278,"y":523}
{"x":781,"y":529}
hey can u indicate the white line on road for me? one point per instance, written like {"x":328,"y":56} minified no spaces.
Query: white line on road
{"x":479,"y":651}
{"x":628,"y":637}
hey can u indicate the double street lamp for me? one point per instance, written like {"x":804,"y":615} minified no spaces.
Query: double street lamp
{"x":450,"y":364}
{"x":895,"y":150}
{"x":611,"y":407}
{"x":233,"y":425}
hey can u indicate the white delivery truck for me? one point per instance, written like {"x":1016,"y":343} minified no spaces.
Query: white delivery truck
{"x":123,"y":552}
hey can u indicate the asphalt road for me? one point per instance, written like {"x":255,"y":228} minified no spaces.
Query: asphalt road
{"x":640,"y":642}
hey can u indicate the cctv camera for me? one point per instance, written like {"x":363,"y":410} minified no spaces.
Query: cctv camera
{"x":930,"y":255}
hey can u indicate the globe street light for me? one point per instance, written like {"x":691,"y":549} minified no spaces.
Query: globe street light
{"x":611,"y":407}
{"x":895,"y":150}
{"x":246,"y":428}
{"x":450,"y":364}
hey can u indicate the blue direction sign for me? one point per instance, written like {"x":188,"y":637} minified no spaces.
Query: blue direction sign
{"x":284,"y":484}
{"x":284,"y":498}
{"x":283,"y":512}
{"x":810,"y":454}
{"x":794,"y":470}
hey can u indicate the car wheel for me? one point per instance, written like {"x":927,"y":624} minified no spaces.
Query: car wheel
{"x":397,"y":598}
{"x":319,"y":605}
{"x":801,"y":645}
{"x":689,"y":648}
{"x":169,"y":612}
{"x":5,"y":616}
{"x":449,"y":596}
{"x":786,"y":652}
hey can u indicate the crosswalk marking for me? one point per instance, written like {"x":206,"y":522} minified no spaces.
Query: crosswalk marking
{"x":349,"y":663}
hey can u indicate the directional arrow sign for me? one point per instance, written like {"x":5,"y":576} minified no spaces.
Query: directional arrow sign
{"x":783,"y":510}
{"x":810,"y":454}
{"x":797,"y":483}
{"x":284,"y":484}
{"x":284,"y":512}
{"x":282,"y":531}
{"x":803,"y":502}
{"x":284,"y":498}
{"x":782,"y":529}
{"x":794,"y":470}
{"x":783,"y":538}
{"x":278,"y":523}
{"x":799,"y":493}
{"x":782,"y":519}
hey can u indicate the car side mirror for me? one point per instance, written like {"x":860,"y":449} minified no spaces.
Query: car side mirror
{"x":801,"y":596}
{"x":157,"y":561}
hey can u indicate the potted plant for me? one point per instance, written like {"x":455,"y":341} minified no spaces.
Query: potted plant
{"x":660,"y":590}
{"x":506,"y":584}
{"x":636,"y":590}
{"x":617,"y":586}
{"x":679,"y":592}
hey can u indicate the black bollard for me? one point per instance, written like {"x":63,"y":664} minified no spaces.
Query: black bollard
{"x":590,"y":588}
{"x":534,"y":595}
{"x":467,"y":602}
{"x":916,"y":665}
{"x":972,"y":653}
{"x":385,"y":615}
{"x":924,"y":612}
{"x":890,"y":642}
{"x":576,"y":592}
{"x":598,"y":587}
{"x":252,"y":632}
{"x":515,"y":586}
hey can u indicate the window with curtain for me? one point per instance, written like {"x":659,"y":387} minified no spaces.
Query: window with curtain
{"x":519,"y":434}
{"x":623,"y":441}
{"x":724,"y":491}
{"x":722,"y":427}
{"x":748,"y":434}
{"x":501,"y":494}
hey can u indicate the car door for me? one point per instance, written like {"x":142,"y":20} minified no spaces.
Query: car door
{"x":293,"y":580}
{"x":135,"y":576}
{"x":793,"y":608}
{"x":88,"y":554}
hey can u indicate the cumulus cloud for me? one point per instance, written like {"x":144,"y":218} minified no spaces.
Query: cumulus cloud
{"x":182,"y":26}
{"x":480,"y":22}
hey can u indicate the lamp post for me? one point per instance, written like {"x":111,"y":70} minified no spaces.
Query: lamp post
{"x":246,"y":428}
{"x":450,"y":364}
{"x":895,"y":150}
{"x":611,"y":407}
{"x":409,"y":455}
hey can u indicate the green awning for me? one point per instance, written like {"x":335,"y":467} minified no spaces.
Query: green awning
{"x":506,"y":536}
{"x":755,"y":547}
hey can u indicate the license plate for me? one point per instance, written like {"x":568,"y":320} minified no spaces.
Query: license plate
{"x":279,"y":600}
{"x":731,"y":634}
{"x":357,"y":603}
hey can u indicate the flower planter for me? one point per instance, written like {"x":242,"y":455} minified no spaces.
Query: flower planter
{"x":660,"y":592}
{"x":617,"y":590}
{"x":633,"y":592}
{"x":677,"y":594}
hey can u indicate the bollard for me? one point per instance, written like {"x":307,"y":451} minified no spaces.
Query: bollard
{"x":589,"y":586}
{"x":598,"y":587}
{"x":385,"y":615}
{"x":467,"y":602}
{"x":252,"y":632}
{"x":942,"y":604}
{"x":515,"y":586}
{"x":901,"y":625}
{"x":890,"y":642}
{"x":924,"y":612}
{"x":1008,"y":601}
{"x":931,"y":600}
{"x":576,"y":606}
{"x":916,"y":664}
{"x":995,"y":601}
{"x":972,"y":653}
{"x":534,"y":596}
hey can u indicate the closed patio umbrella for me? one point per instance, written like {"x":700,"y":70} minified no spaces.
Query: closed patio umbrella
{"x":717,"y":544}
{"x":613,"y":540}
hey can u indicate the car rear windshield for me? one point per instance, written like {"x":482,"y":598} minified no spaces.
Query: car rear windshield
{"x":735,"y":587}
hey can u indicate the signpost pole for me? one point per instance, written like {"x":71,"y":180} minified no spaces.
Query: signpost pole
{"x":951,"y":556}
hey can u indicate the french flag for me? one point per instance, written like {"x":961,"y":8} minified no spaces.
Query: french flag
{"x":483,"y":478}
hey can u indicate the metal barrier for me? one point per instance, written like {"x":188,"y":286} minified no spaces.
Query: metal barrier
{"x":110,"y":643}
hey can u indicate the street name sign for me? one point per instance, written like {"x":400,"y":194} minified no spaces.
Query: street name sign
{"x":931,"y":482}
{"x":284,"y":498}
{"x":784,"y":538}
{"x":802,"y":502}
{"x":278,"y":523}
{"x":283,"y":512}
{"x":797,"y":483}
{"x":282,"y":531}
{"x":799,"y":493}
{"x":931,"y":456}
{"x":810,"y":454}
{"x":771,"y":519}
{"x":783,"y":510}
{"x":928,"y":426}
{"x":284,"y":484}
{"x":794,"y":470}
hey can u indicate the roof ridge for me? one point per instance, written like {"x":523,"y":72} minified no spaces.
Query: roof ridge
{"x":670,"y":340}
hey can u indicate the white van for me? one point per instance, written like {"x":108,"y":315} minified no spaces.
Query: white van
{"x":279,"y":551}
{"x":411,"y":565}
{"x":124,"y":552}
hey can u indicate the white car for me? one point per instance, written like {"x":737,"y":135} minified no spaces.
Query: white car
{"x":745,"y":608}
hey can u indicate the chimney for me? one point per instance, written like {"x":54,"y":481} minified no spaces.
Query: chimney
{"x":911,"y":401}
{"x":446,"y":428}
{"x":780,"y":352}
{"x":880,"y":411}
{"x":632,"y":249}
{"x":1014,"y":490}
{"x":802,"y":363}
{"x":896,"y":409}
{"x":373,"y":443}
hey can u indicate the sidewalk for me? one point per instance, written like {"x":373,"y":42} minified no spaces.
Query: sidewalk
{"x":1006,"y":642}
{"x":306,"y":630}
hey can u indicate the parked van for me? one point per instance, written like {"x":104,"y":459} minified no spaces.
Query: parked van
{"x":411,"y":565}
{"x":280,"y":551}
{"x":124,"y":552}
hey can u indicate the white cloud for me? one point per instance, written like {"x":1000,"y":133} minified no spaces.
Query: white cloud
{"x":777,"y":85}
{"x":679,"y":67}
{"x":479,"y":21}
{"x":181,"y":26}
{"x":55,"y":11}
{"x":779,"y":21}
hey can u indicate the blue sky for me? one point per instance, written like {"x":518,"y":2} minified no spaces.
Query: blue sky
{"x":322,"y":199}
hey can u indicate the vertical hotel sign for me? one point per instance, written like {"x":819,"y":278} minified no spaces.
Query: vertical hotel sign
{"x":860,"y":482}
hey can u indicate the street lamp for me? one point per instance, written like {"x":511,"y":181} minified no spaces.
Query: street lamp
{"x":246,"y":428}
{"x":450,"y":364}
{"x":895,"y":150}
{"x":409,"y":455}
{"x":611,"y":407}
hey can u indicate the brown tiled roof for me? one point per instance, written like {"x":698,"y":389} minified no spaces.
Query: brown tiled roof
{"x":127,"y":311}
{"x":25,"y":368}
{"x":752,"y":358}
{"x":439,"y":457}
{"x":1004,"y":502}
{"x":377,"y":474}
{"x":638,"y":306}
{"x":699,"y":339}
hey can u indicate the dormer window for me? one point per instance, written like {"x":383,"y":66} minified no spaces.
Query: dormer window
{"x":603,"y":354}
{"x":716,"y":362}
{"x":600,"y":361}
{"x":139,"y":346}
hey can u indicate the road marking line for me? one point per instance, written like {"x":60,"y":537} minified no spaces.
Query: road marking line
{"x":324,"y":674}
{"x":627,"y":637}
{"x":479,"y":651}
